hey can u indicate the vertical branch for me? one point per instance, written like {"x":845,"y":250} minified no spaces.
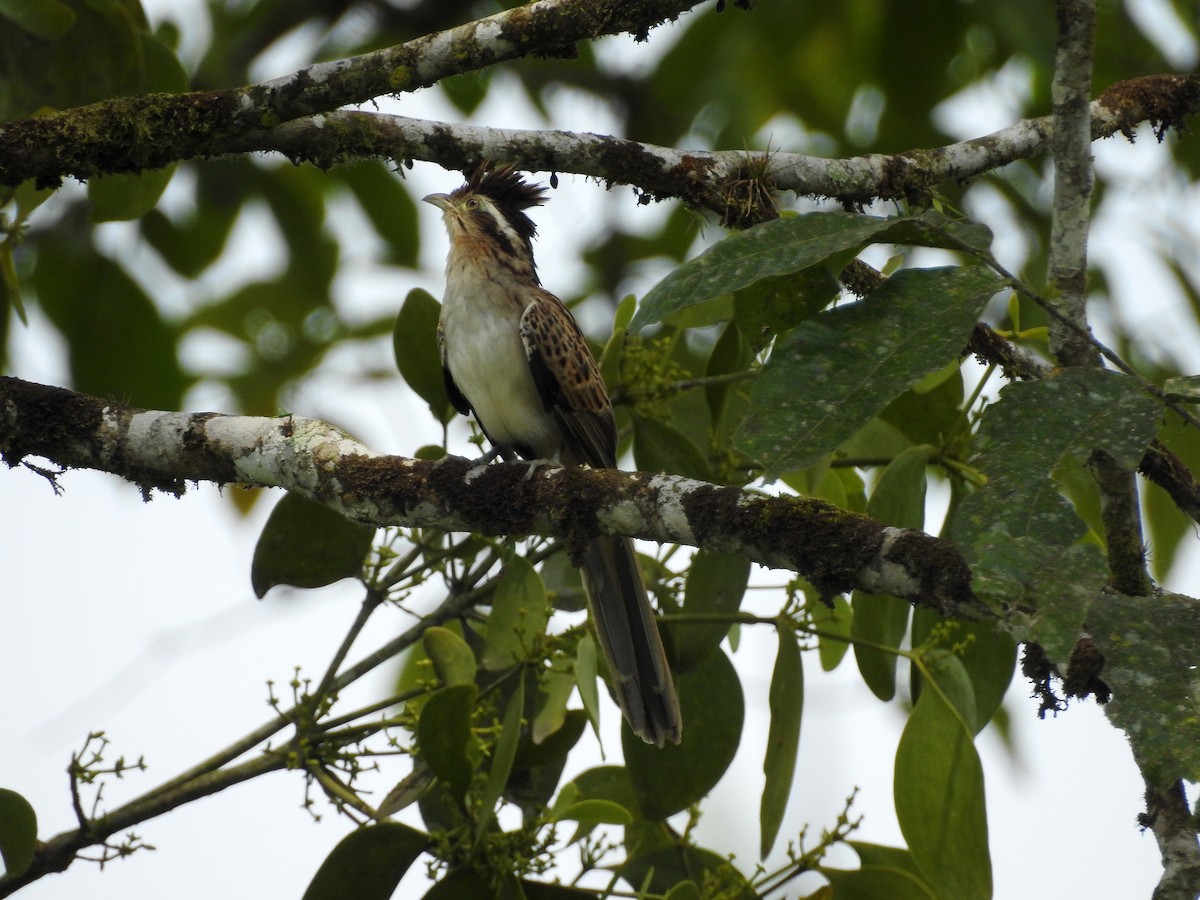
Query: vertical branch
{"x":1167,"y":809}
{"x":1072,"y":148}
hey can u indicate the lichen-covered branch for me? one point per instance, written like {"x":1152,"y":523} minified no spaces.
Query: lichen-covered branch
{"x":133,"y":134}
{"x":833,"y":549}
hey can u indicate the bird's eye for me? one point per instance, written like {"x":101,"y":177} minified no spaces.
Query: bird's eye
{"x":473,"y":203}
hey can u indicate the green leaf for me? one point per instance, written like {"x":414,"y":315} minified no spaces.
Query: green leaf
{"x":519,"y":615}
{"x":898,"y":500}
{"x":462,"y":883}
{"x":554,"y":690}
{"x":940,"y":800}
{"x":715,"y":585}
{"x":368,"y":863}
{"x":586,"y":676}
{"x":554,"y":746}
{"x":1018,"y":531}
{"x":306,"y":544}
{"x":835,"y":621}
{"x":674,"y":777}
{"x":119,"y":344}
{"x":18,"y":832}
{"x":502,"y":760}
{"x":1151,"y":646}
{"x":791,"y":244}
{"x":786,"y":700}
{"x":660,"y":447}
{"x":610,"y":356}
{"x":731,"y":354}
{"x":594,"y":812}
{"x":47,"y":19}
{"x":444,"y":733}
{"x":854,"y":360}
{"x":451,"y":656}
{"x":660,"y":870}
{"x":414,"y":341}
{"x":773,"y":305}
{"x":873,"y":882}
{"x":389,"y":206}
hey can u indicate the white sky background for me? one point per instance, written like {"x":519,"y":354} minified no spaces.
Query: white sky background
{"x":138,"y":618}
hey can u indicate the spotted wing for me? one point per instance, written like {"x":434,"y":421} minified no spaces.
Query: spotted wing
{"x":568,"y":380}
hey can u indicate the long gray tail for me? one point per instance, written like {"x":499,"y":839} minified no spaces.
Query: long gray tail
{"x":630,"y":640}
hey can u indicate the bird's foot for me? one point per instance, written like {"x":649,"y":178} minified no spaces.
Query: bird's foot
{"x":534,"y":465}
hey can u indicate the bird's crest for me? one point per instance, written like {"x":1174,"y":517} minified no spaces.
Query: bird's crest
{"x":509,"y":191}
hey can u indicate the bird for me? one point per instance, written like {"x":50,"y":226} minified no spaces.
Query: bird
{"x":514,"y":357}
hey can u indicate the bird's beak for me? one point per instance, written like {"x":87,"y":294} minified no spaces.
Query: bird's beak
{"x":441,"y":201}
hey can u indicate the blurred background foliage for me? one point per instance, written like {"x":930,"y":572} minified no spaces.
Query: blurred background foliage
{"x":804,"y":75}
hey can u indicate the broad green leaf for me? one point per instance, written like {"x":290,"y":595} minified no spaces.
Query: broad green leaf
{"x":715,"y":585}
{"x":940,"y":801}
{"x":18,"y":832}
{"x":684,"y":890}
{"x":931,"y":415}
{"x":586,"y":677}
{"x":676,"y":776}
{"x":988,"y":657}
{"x":47,"y":19}
{"x":731,"y":354}
{"x":610,"y":357}
{"x":451,"y":656}
{"x":368,"y":863}
{"x":595,"y":812}
{"x":660,"y":447}
{"x":10,"y":287}
{"x":854,"y":360}
{"x":389,"y":206}
{"x":662,"y":869}
{"x":502,"y":760}
{"x":458,"y":884}
{"x":871,"y":882}
{"x":414,"y":342}
{"x":519,"y":615}
{"x":898,"y":500}
{"x":554,"y":690}
{"x":306,"y":544}
{"x":536,"y":890}
{"x":775,"y":304}
{"x":1151,"y":646}
{"x":444,"y":732}
{"x":791,"y":244}
{"x":1031,"y":430}
{"x":118,"y":343}
{"x":1018,"y":530}
{"x":554,"y":746}
{"x":786,"y":700}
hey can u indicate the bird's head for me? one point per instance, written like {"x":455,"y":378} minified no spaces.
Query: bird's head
{"x":490,"y":208}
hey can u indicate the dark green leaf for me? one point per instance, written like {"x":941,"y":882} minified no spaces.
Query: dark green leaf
{"x":1151,"y":646}
{"x":368,"y":863}
{"x":415,"y":343}
{"x":940,"y":800}
{"x":444,"y":733}
{"x":772,"y":305}
{"x":389,"y":206}
{"x":834,"y":622}
{"x":791,"y":244}
{"x":18,"y":832}
{"x":460,"y":884}
{"x":660,"y":447}
{"x":676,"y":776}
{"x":307,"y":544}
{"x":854,"y":360}
{"x":898,"y":500}
{"x":47,"y":19}
{"x":715,"y":585}
{"x":871,"y":882}
{"x":519,"y":615}
{"x":595,"y":812}
{"x":786,"y":699}
{"x":451,"y":656}
{"x":988,"y":657}
{"x":672,"y":865}
{"x":119,"y":345}
{"x":553,"y":746}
